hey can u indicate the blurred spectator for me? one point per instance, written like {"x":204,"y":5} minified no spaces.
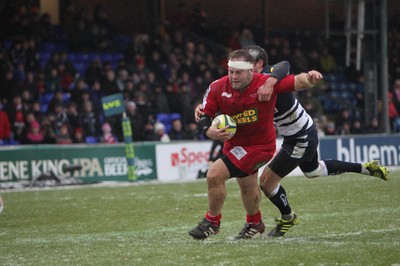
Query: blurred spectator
{"x":109,"y":84}
{"x":76,"y":93}
{"x":137,"y":121}
{"x":160,"y":100}
{"x":49,"y":134}
{"x":89,"y":120}
{"x":327,"y":62}
{"x":161,"y":135}
{"x":373,"y":127}
{"x":34,"y":135}
{"x":177,"y":131}
{"x":330,"y":129}
{"x":300,"y":62}
{"x":396,"y":94}
{"x":78,"y":136}
{"x":193,"y":132}
{"x":107,"y":135}
{"x":5,"y":126}
{"x":311,"y":103}
{"x":8,"y":86}
{"x":345,"y":128}
{"x":356,"y":127}
{"x":393,"y":114}
{"x":53,"y":81}
{"x":344,"y":117}
{"x":64,"y":136}
{"x":59,"y":115}
{"x":246,"y":38}
{"x":73,"y":115}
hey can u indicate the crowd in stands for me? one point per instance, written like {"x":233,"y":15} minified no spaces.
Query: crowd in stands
{"x":52,"y":81}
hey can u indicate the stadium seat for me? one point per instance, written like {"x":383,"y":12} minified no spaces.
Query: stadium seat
{"x":90,"y":139}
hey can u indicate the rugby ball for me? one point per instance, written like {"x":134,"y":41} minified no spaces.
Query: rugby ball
{"x":225,"y":120}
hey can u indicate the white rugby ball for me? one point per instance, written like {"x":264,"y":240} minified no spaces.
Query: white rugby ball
{"x":225,"y":120}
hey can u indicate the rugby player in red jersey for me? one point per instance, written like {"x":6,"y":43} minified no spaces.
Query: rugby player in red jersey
{"x":252,"y":146}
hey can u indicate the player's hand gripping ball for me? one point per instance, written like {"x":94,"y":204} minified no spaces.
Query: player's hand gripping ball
{"x":226,"y":120}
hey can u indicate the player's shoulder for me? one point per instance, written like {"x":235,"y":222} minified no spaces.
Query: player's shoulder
{"x":219,"y":82}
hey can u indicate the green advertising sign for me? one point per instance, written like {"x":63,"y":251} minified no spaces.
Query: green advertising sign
{"x":113,"y":104}
{"x":99,"y":162}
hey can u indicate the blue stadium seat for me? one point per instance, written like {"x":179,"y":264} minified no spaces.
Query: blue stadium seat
{"x":166,"y":119}
{"x":90,"y":140}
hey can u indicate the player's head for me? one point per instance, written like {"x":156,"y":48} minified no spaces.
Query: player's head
{"x":240,"y":69}
{"x":260,"y":56}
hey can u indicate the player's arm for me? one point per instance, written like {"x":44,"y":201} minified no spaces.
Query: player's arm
{"x":307,"y":80}
{"x":211,"y":130}
{"x":198,"y":112}
{"x":277,"y":72}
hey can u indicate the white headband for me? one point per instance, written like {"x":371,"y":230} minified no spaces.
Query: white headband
{"x":240,"y":64}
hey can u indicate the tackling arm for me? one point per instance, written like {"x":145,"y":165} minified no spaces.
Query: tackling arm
{"x":307,"y":80}
{"x":278,"y":72}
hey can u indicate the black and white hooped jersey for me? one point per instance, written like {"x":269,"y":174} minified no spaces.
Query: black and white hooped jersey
{"x":290,"y":118}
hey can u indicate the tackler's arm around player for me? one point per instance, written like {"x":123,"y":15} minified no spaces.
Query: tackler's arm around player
{"x":307,"y":80}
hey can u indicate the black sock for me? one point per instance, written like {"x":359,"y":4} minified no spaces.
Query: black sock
{"x":336,"y":167}
{"x":281,"y":202}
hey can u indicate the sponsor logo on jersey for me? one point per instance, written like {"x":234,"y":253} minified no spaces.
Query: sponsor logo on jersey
{"x":247,"y":117}
{"x":227,"y":95}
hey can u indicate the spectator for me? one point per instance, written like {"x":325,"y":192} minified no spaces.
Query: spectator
{"x":34,"y":135}
{"x":396,"y":94}
{"x":49,"y":134}
{"x":330,"y":129}
{"x":78,"y":136}
{"x":159,"y":133}
{"x":53,"y":81}
{"x":64,"y":136}
{"x":5,"y":126}
{"x":327,"y":62}
{"x":73,"y":115}
{"x":393,"y":114}
{"x":89,"y":120}
{"x":137,"y":121}
{"x":311,"y":103}
{"x":177,"y":131}
{"x":107,"y":136}
{"x":373,"y":127}
{"x":356,"y":127}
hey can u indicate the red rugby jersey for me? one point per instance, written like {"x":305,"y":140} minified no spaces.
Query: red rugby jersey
{"x":255,"y":120}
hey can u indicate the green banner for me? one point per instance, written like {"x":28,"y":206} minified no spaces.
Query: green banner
{"x":99,"y":162}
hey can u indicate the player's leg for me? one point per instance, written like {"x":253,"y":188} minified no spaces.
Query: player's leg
{"x":269,"y":183}
{"x":336,"y":167}
{"x":216,"y":177}
{"x":291,"y":154}
{"x":250,"y":193}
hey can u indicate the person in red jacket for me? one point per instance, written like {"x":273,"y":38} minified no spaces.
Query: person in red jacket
{"x":5,"y":126}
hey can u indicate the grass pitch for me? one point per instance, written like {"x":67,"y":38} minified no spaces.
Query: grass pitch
{"x":344,"y":220}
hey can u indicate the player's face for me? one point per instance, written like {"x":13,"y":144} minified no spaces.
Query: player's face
{"x":239,"y":78}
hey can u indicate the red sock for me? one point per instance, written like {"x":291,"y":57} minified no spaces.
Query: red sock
{"x":253,"y":219}
{"x":215,"y":220}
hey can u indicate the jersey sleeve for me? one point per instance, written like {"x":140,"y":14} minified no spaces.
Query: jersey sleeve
{"x":279,"y":70}
{"x":285,"y":85}
{"x":210,"y":105}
